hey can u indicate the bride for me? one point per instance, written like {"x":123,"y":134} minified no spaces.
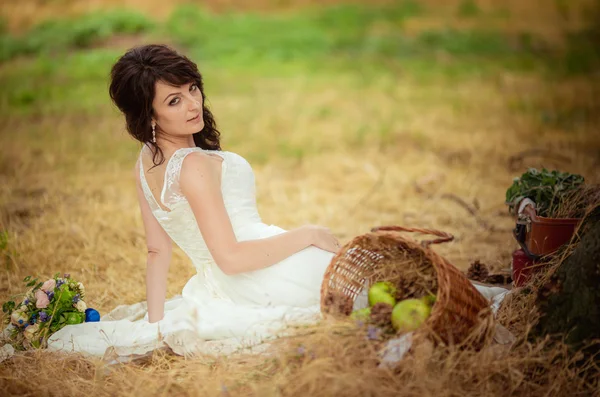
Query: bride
{"x":252,"y":278}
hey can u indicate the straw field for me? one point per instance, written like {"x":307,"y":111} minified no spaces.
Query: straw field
{"x":419,"y":114}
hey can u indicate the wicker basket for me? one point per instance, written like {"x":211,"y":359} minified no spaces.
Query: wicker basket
{"x":460,"y":314}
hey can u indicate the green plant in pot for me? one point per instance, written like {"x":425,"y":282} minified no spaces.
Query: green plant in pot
{"x":544,"y":227}
{"x":550,"y":190}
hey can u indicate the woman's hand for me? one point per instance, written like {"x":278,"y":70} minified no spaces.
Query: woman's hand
{"x":322,"y":237}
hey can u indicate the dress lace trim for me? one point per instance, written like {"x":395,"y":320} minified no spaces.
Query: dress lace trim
{"x":171,"y":195}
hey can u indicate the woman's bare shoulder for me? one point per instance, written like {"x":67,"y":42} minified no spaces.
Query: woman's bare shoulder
{"x":198,"y":164}
{"x":198,"y":161}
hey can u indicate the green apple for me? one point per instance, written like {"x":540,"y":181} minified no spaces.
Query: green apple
{"x":382,"y":292}
{"x":429,"y":299}
{"x":409,"y":314}
{"x":361,"y":314}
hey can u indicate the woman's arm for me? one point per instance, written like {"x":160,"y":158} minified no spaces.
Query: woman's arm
{"x":159,"y":256}
{"x":199,"y":182}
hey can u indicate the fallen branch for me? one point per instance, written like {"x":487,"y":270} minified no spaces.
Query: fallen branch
{"x":473,"y":211}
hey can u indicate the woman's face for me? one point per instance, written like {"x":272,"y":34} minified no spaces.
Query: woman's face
{"x":177,"y":110}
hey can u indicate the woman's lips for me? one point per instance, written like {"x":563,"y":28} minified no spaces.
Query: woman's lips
{"x":195,"y":119}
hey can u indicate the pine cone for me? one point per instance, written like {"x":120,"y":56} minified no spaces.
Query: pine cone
{"x":499,"y":278}
{"x":478,"y":271}
{"x":381,"y":314}
{"x":337,"y":303}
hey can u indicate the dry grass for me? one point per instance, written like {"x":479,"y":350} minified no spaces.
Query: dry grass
{"x":534,"y":16}
{"x":390,"y":152}
{"x":329,"y":360}
{"x":66,"y":214}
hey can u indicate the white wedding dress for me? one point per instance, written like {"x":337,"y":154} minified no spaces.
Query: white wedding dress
{"x":215,"y":313}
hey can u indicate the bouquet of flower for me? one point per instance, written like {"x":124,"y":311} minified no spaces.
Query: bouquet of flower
{"x":46,"y":307}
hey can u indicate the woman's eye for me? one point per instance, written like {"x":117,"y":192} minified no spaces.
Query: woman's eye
{"x":193,"y":87}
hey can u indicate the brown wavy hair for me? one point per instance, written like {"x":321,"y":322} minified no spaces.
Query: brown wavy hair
{"x":133,"y":78}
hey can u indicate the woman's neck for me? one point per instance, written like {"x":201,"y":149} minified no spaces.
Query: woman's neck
{"x":168,"y":147}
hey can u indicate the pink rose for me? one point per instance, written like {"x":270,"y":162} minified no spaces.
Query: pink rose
{"x":41,"y":299}
{"x":49,"y":285}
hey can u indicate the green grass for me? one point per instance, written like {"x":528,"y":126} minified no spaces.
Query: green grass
{"x":344,"y":30}
{"x":62,"y":34}
{"x":468,"y":9}
{"x":583,"y":54}
{"x":347,"y":32}
{"x":48,"y":84}
{"x":362,"y":41}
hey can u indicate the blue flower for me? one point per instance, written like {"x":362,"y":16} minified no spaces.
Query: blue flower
{"x":26,"y":302}
{"x":50,"y":295}
{"x":59,"y":283}
{"x":91,"y":315}
{"x":43,"y":317}
{"x":76,"y":298}
{"x":33,"y":319}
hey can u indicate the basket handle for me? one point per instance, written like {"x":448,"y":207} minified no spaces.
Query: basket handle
{"x":444,"y":237}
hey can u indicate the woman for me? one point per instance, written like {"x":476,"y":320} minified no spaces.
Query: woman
{"x":252,"y":278}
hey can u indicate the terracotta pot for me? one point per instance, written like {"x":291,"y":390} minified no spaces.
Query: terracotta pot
{"x":542,"y":236}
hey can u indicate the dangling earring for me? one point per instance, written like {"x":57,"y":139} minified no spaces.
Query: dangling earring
{"x":153,"y":133}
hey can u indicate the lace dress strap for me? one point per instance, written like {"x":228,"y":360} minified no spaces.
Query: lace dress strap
{"x":171,"y":194}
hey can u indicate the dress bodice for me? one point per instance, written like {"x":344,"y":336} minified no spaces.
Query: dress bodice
{"x":239,"y":196}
